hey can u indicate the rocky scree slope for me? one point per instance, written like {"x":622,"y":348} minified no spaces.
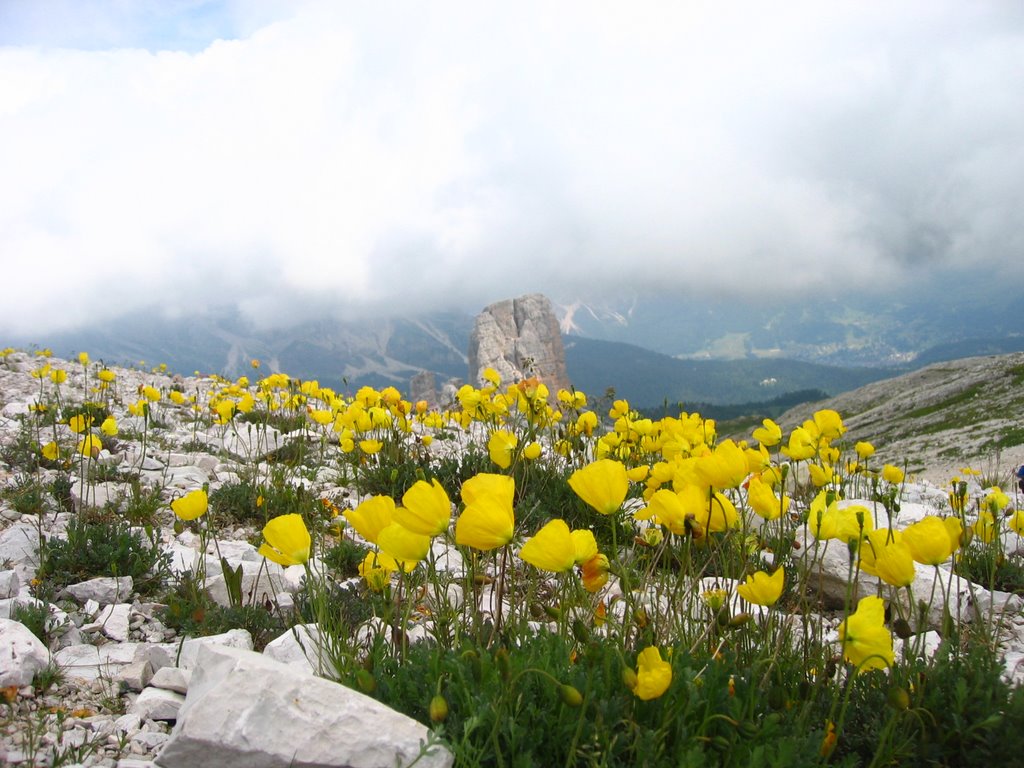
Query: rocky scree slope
{"x":938,"y":419}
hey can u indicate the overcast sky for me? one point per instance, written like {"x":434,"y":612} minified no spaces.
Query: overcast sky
{"x":307,"y":157}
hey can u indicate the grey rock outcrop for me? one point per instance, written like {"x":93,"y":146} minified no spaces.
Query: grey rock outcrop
{"x":519,"y":338}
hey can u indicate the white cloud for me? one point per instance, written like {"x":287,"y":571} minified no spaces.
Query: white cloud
{"x":391,"y":156}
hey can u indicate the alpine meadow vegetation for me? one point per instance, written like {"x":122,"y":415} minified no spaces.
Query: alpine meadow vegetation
{"x":546,"y":579}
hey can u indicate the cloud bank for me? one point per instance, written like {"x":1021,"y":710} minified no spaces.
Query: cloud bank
{"x":306,"y":158}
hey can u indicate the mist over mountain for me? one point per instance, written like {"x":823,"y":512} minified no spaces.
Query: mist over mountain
{"x":649,"y":351}
{"x":883,"y":330}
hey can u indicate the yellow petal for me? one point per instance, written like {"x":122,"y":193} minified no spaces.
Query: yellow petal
{"x":551,"y":548}
{"x":603,"y":485}
{"x":371,"y":516}
{"x":191,"y":506}
{"x":425,"y":509}
{"x":287,"y":540}
{"x":402,"y":544}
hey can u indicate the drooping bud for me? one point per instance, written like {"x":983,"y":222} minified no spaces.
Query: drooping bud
{"x":571,"y":697}
{"x":438,"y":709}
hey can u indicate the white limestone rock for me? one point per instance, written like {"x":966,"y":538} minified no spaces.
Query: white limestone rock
{"x":251,"y":444}
{"x":158,"y":704}
{"x":519,"y":338}
{"x":299,"y":647}
{"x":258,"y":582}
{"x":171,"y":679}
{"x":132,"y":762}
{"x":235,"y":638}
{"x":103,"y":589}
{"x":92,"y":662}
{"x":183,"y":478}
{"x":245,"y":710}
{"x":9,"y":584}
{"x":136,"y":676}
{"x":96,"y":494}
{"x":113,"y":621}
{"x":22,"y":654}
{"x":19,"y":544}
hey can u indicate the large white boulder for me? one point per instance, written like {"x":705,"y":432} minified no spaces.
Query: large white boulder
{"x":245,"y":710}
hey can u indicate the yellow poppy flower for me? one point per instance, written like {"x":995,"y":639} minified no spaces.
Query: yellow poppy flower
{"x":884,"y":554}
{"x":847,"y":524}
{"x":929,"y":541}
{"x":665,"y":507}
{"x":716,"y":514}
{"x":551,"y":548}
{"x":192,"y":505}
{"x":501,"y":447}
{"x":370,"y":447}
{"x":109,"y":426}
{"x":866,"y":643}
{"x":829,"y":424}
{"x":372,"y":516}
{"x":725,"y":467}
{"x":864,"y":450}
{"x":376,"y":569}
{"x":488,"y":521}
{"x":50,"y":451}
{"x":225,"y":410}
{"x":653,"y":674}
{"x":80,"y":423}
{"x":802,"y":445}
{"x":584,"y":545}
{"x":321,"y":416}
{"x":402,"y":544}
{"x":761,"y":589}
{"x":763,"y":501}
{"x":768,"y":435}
{"x":90,"y":445}
{"x":892,"y":474}
{"x":602,"y":484}
{"x":955,"y":529}
{"x":985,"y":527}
{"x":425,"y":509}
{"x":995,"y":500}
{"x":821,"y":474}
{"x":594,"y":572}
{"x":287,"y":540}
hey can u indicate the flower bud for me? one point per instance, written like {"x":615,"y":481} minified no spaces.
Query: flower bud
{"x":629,"y":678}
{"x":898,"y":698}
{"x":438,"y":709}
{"x":504,"y":662}
{"x":366,"y":681}
{"x":571,"y":697}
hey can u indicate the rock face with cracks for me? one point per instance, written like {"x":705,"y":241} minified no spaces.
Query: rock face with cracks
{"x":245,"y":710}
{"x":519,"y":338}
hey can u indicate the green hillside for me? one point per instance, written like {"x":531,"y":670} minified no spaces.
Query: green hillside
{"x":648,"y":379}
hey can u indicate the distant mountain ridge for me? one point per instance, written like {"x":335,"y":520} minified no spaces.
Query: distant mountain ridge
{"x":648,"y":379}
{"x":856,"y":331}
{"x":723,"y":365}
{"x":376,"y":352}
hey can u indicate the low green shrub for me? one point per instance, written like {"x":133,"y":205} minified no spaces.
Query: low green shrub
{"x":103,"y":546}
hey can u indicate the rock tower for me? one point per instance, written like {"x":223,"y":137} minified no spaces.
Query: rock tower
{"x":519,"y":338}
